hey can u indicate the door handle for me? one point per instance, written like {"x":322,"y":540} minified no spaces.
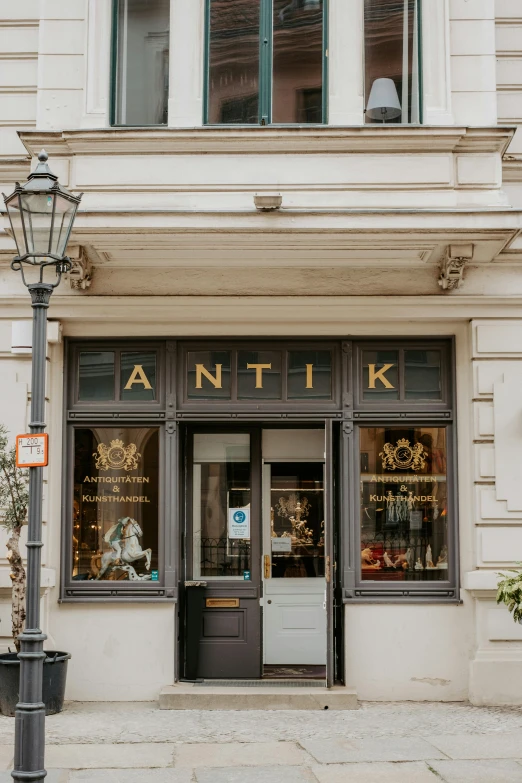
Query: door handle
{"x":267,"y":566}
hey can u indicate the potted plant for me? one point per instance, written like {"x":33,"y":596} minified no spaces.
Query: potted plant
{"x":509,"y":592}
{"x":14,"y":500}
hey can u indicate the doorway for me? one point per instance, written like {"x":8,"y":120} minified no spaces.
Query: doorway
{"x":294,"y":599}
{"x":257,"y":535}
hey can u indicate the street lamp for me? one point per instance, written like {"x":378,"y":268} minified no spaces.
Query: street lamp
{"x":42,"y":214}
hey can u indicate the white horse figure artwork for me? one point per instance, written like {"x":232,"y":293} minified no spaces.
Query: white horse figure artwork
{"x":123,"y":538}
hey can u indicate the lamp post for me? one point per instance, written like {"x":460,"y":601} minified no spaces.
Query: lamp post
{"x":42,"y":214}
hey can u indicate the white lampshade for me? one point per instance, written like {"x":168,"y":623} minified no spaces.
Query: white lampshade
{"x":383,"y":103}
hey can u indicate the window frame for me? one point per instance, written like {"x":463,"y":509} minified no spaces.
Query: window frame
{"x":420,"y":76}
{"x":113,"y":91}
{"x":158,"y":414}
{"x":345,"y":407}
{"x":410,"y":413}
{"x":266,"y":64}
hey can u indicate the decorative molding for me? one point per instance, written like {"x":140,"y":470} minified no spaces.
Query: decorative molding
{"x":452,"y":266}
{"x":322,"y":140}
{"x":80,"y":275}
{"x":97,"y":70}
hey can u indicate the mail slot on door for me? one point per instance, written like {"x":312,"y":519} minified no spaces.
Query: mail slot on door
{"x":222,"y":603}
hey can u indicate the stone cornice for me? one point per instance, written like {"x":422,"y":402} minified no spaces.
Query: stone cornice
{"x":248,"y":315}
{"x":368,"y":139}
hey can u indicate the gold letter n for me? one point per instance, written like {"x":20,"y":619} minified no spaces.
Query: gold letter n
{"x":200,"y":372}
{"x":375,"y":375}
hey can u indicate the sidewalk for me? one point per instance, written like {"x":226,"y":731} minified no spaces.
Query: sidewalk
{"x":392,"y":742}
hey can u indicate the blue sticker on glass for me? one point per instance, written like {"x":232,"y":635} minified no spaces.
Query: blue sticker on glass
{"x":154,"y":576}
{"x":246,"y":575}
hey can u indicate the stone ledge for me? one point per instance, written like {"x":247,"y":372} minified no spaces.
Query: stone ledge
{"x":187,"y":696}
{"x":269,"y":140}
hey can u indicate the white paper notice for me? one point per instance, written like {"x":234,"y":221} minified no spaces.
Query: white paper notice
{"x":281,"y":544}
{"x":239,"y":523}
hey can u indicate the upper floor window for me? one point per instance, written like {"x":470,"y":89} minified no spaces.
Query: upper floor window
{"x":141,"y":62}
{"x":265,"y":61}
{"x":392,"y":67}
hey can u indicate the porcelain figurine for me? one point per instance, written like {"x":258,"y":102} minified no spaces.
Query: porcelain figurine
{"x":442,"y":561}
{"x":368,"y":561}
{"x":429,"y":557}
{"x":387,"y":562}
{"x":418,"y":565}
{"x":409,"y":557}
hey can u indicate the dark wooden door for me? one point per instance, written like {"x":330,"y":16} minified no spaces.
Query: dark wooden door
{"x":224,"y":551}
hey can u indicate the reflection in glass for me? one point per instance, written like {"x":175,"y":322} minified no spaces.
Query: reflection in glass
{"x":422,"y":375}
{"x":391,"y":61}
{"x":259,"y":375}
{"x":142,"y":73}
{"x":96,"y":376}
{"x":115,"y":507}
{"x":404,"y":504}
{"x":233,"y":90}
{"x":297,"y":519}
{"x":138,"y":376}
{"x":297,"y":93}
{"x":380,"y":375}
{"x":309,"y":375}
{"x":208,"y":375}
{"x":221,"y":488}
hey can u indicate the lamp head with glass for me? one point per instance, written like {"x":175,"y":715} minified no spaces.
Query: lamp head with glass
{"x":41,"y":213}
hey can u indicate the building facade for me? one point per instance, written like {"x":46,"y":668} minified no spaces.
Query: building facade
{"x":283,"y":374}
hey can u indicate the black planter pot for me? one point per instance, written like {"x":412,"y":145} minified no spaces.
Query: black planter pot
{"x":54,"y":677}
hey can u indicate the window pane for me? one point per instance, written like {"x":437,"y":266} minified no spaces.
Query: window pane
{"x":233,"y":80}
{"x":297,"y":94}
{"x":297,"y":519}
{"x":380,"y":375}
{"x":96,"y":376}
{"x":142,"y":62}
{"x":115,"y":507}
{"x":138,"y":376}
{"x":208,"y":375}
{"x":221,"y":506}
{"x":422,"y":375}
{"x":404,"y":504}
{"x":309,"y":375}
{"x":259,"y":375}
{"x":391,"y":61}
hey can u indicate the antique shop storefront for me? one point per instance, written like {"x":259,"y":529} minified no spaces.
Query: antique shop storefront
{"x":283,"y":479}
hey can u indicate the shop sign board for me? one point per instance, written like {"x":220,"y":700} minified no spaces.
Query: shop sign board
{"x":239,"y":523}
{"x":32,"y":450}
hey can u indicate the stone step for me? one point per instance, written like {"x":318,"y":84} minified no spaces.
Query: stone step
{"x":193,"y":696}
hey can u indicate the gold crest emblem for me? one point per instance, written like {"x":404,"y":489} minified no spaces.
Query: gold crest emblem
{"x":403,"y":456}
{"x":116,"y":456}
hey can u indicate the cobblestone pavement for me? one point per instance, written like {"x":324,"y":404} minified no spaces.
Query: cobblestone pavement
{"x":392,"y":742}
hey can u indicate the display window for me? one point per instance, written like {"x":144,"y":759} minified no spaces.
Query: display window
{"x":115,"y":504}
{"x":404,"y":510}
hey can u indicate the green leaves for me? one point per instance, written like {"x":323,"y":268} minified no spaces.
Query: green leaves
{"x":510,"y":592}
{"x":14,"y":483}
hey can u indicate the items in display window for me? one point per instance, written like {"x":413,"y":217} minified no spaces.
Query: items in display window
{"x":404,"y":503}
{"x":115,"y":505}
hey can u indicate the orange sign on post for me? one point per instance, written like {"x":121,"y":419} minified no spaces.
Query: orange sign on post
{"x":32,"y":451}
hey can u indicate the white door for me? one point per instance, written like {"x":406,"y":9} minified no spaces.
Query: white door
{"x":294,"y":607}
